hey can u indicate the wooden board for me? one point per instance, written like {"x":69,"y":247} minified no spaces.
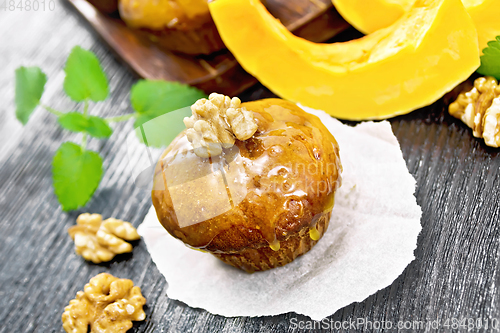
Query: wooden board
{"x":316,"y":20}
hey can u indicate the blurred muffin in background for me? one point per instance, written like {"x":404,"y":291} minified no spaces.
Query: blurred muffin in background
{"x":176,"y":25}
{"x":105,"y":6}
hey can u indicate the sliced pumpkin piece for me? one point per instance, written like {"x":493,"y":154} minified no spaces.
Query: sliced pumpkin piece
{"x":425,"y":54}
{"x":370,"y":15}
{"x":486,"y":17}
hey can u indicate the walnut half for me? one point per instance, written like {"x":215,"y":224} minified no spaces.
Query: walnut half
{"x":216,"y":123}
{"x":479,"y":108}
{"x":99,"y":241}
{"x":106,"y":304}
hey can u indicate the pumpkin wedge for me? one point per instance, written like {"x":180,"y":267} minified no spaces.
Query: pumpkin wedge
{"x":369,"y":16}
{"x":393,"y":71}
{"x":486,"y":17}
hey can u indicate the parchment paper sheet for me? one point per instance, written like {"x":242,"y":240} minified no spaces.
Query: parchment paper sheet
{"x":371,"y":238}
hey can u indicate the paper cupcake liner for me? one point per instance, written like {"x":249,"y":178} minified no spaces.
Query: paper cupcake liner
{"x":265,"y":258}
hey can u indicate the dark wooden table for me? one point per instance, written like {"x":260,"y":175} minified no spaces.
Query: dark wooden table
{"x":455,"y":275}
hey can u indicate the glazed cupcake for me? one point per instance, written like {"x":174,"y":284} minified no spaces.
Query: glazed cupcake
{"x":177,"y":25}
{"x":251,"y":183}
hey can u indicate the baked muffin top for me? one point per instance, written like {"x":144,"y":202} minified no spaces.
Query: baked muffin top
{"x":259,"y":192}
{"x":160,"y":14}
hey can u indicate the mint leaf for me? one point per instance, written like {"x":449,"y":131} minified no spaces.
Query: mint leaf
{"x":30,"y":83}
{"x":75,"y":174}
{"x":85,"y":78}
{"x":162,"y":130}
{"x":490,"y":60}
{"x":77,"y":122}
{"x":73,"y":121}
{"x":154,"y":98}
{"x":99,"y":128}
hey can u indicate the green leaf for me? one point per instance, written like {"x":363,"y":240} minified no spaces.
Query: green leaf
{"x":73,"y":121}
{"x":154,"y":98}
{"x":490,"y":60}
{"x":30,"y":83}
{"x":85,"y":78}
{"x":76,"y":174}
{"x":77,"y":122}
{"x":162,"y":130}
{"x":99,"y":128}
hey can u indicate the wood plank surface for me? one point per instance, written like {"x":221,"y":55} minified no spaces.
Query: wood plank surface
{"x":455,"y":275}
{"x":316,"y":20}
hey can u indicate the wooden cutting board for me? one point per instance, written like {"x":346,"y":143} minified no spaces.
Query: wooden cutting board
{"x":316,"y":20}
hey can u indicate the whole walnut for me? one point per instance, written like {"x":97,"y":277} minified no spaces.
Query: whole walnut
{"x":479,"y":108}
{"x":106,"y":304}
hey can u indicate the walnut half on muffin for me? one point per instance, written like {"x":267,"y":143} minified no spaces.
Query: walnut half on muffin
{"x":251,"y":183}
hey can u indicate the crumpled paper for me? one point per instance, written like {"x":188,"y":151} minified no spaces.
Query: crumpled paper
{"x":371,"y":238}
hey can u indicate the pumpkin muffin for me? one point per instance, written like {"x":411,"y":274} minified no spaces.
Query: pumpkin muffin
{"x":251,"y":183}
{"x":177,"y":25}
{"x":105,"y":6}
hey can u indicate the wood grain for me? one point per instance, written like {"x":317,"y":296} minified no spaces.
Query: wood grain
{"x":455,"y":274}
{"x":316,"y":20}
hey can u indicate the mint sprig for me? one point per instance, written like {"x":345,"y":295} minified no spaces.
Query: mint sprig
{"x":77,"y":171}
{"x":490,"y":60}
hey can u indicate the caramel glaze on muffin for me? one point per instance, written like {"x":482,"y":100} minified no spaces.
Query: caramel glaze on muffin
{"x":280,"y":183}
